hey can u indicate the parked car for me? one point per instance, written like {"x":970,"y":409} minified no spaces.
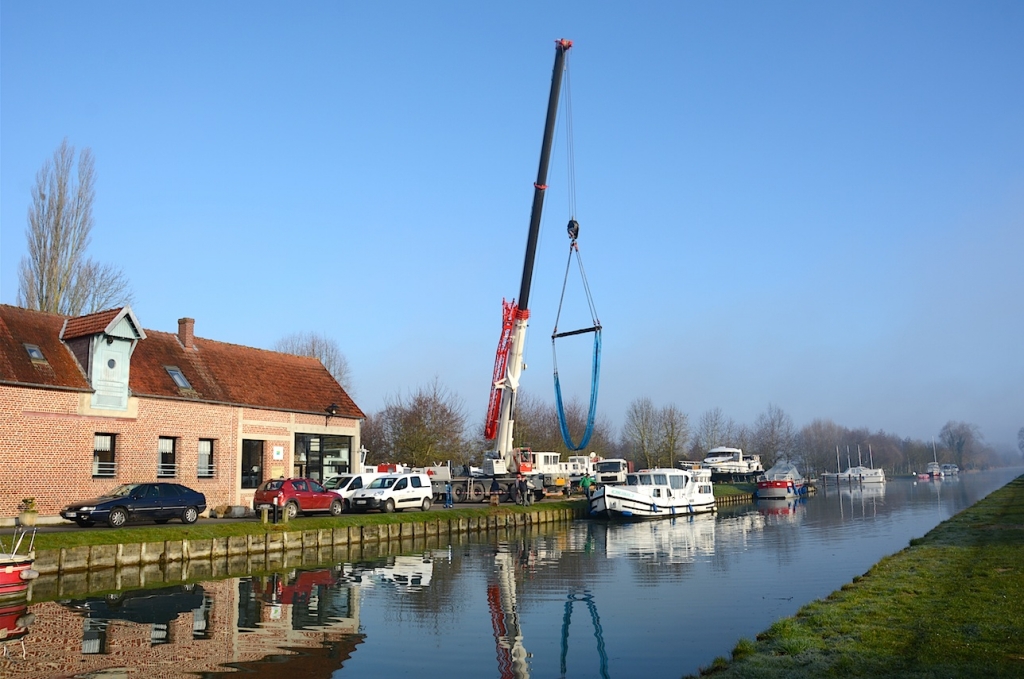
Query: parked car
{"x":158,"y":502}
{"x":394,"y":492}
{"x":346,"y":485}
{"x":297,"y":495}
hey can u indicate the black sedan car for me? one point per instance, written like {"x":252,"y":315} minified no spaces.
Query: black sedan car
{"x":158,"y":502}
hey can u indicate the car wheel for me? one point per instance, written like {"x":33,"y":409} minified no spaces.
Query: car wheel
{"x":337,"y":508}
{"x":84,"y":523}
{"x":189,"y":515}
{"x":117,"y":517}
{"x":426,"y":505}
{"x":389,"y":506}
{"x":292,"y":510}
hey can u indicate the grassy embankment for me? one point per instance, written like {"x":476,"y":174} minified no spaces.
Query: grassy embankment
{"x":207,"y":529}
{"x":727,"y":489}
{"x":949,"y":605}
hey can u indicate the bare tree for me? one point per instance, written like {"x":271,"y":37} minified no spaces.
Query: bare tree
{"x":713,"y":429}
{"x":962,"y":439}
{"x":774,"y":435}
{"x":640,"y":431}
{"x":674,"y":431}
{"x":423,"y":429}
{"x":817,"y":445}
{"x":56,"y":276}
{"x":322,"y":347}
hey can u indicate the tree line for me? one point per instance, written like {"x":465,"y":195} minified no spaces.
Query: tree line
{"x":430,"y":426}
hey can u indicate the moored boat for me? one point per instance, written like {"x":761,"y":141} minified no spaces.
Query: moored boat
{"x":781,"y":481}
{"x":934,"y":470}
{"x":16,"y":561}
{"x":862,"y":475}
{"x":655,"y":494}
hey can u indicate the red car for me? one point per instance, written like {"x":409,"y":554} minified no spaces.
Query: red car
{"x":297,"y":495}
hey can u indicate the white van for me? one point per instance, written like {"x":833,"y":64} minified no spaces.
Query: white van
{"x":394,"y":492}
{"x":347,"y":484}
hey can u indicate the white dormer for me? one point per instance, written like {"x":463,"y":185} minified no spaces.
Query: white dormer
{"x":103,"y":343}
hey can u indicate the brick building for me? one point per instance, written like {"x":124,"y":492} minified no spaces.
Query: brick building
{"x":91,"y":402}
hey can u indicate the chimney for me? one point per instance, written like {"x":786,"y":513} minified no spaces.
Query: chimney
{"x":186,"y":332}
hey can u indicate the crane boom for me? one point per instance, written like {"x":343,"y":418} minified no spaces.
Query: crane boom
{"x":513,"y":346}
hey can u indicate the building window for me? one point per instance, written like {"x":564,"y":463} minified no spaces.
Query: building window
{"x":35,"y":353}
{"x":178,"y":376}
{"x":321,"y":457}
{"x":205,"y":459}
{"x":252,"y":463}
{"x":103,"y":456}
{"x":167,"y":464}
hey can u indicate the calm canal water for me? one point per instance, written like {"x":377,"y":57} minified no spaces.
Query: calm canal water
{"x":656,"y":599}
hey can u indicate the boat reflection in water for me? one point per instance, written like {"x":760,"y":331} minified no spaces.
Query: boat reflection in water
{"x":668,"y":541}
{"x":782,"y":510}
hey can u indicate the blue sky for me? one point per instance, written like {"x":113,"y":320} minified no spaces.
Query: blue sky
{"x":814,"y":205}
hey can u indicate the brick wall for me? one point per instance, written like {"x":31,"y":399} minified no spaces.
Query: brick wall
{"x":46,"y":445}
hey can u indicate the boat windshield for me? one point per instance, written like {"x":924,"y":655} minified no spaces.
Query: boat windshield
{"x":631,"y":480}
{"x":645,"y":480}
{"x":661,"y":479}
{"x":677,"y":481}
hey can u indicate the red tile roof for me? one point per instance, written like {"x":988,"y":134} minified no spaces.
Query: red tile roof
{"x":91,"y":324}
{"x":19,"y":327}
{"x":218,"y":372}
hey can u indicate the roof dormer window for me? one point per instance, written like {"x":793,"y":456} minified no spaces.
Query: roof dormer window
{"x":177,"y":376}
{"x":35,"y":353}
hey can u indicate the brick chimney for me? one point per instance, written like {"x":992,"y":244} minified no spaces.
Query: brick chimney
{"x":186,"y":332}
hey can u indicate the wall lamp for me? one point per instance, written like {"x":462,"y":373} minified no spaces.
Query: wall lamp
{"x":331,"y":410}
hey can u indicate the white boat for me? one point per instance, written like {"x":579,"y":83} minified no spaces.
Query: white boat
{"x":861,"y":475}
{"x":656,"y":494}
{"x":934,"y":470}
{"x":781,"y":481}
{"x":724,"y":460}
{"x":950,"y":470}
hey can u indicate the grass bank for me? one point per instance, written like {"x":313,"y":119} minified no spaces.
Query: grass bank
{"x":206,"y":530}
{"x":729,"y":489}
{"x":949,"y":605}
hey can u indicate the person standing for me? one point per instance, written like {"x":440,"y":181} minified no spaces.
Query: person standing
{"x":524,"y":490}
{"x":448,"y":494}
{"x":586,"y":482}
{"x":495,"y":491}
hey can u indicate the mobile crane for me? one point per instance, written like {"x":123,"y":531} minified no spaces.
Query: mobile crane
{"x":505,"y":461}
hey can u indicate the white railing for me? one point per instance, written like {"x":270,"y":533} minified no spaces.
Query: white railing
{"x":166,"y":470}
{"x":103,"y":469}
{"x":207,"y":472}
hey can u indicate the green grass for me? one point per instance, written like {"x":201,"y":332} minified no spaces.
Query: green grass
{"x":207,"y":530}
{"x":724,"y":489}
{"x":950,"y":605}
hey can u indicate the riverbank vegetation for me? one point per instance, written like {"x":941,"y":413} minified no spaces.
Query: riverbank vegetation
{"x":949,"y":605}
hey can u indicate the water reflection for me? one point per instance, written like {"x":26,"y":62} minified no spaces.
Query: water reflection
{"x":656,"y":599}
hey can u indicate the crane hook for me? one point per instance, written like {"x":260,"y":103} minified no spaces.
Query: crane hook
{"x":574,"y":229}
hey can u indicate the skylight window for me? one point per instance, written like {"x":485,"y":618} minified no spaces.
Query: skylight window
{"x":35,"y":353}
{"x":177,"y":376}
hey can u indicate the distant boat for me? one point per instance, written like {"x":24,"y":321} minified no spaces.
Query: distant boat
{"x":950,"y":470}
{"x":934,"y":470}
{"x":862,"y":475}
{"x":731,"y":462}
{"x":781,"y":481}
